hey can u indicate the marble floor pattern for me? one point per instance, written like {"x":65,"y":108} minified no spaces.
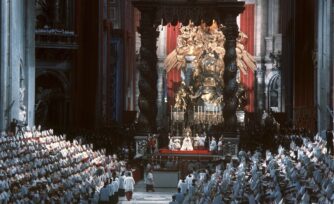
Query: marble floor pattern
{"x":140,"y":196}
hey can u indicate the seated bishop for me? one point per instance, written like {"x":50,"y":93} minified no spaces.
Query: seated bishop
{"x":197,"y":141}
{"x":177,"y":144}
{"x":220,"y":145}
{"x":187,"y":144}
{"x":213,"y":145}
{"x":305,"y":198}
{"x":171,"y":145}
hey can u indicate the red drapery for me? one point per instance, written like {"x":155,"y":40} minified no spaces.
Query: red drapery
{"x":247,"y":26}
{"x":174,"y":75}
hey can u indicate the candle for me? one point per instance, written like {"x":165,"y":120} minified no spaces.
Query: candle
{"x":198,"y":113}
{"x":203,"y":112}
{"x":177,"y":114}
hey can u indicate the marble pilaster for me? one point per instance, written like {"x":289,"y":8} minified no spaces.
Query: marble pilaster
{"x":273,"y":17}
{"x":260,"y":89}
{"x":277,"y":43}
{"x":261,"y":23}
{"x":17,"y":62}
{"x":30,"y":61}
{"x":269,"y":46}
{"x":324,"y":64}
{"x":4,"y":74}
{"x":261,"y":43}
{"x":16,"y":56}
{"x":161,"y":53}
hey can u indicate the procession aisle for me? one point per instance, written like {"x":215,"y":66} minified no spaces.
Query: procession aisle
{"x":160,"y":196}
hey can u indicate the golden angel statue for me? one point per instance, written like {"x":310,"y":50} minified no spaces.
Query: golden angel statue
{"x":196,"y":40}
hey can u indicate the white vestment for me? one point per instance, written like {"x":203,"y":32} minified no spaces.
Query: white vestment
{"x":186,"y":144}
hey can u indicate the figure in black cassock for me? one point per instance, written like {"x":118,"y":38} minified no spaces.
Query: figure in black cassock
{"x":329,"y":136}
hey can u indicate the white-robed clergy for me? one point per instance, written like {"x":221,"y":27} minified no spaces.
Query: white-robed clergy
{"x":213,"y":145}
{"x":129,"y":186}
{"x":220,"y":144}
{"x":189,"y":179}
{"x":183,"y":186}
{"x":171,"y":145}
{"x":111,"y":188}
{"x":187,"y":144}
{"x":196,"y":141}
{"x":177,"y":144}
{"x":202,"y":141}
{"x":105,"y":194}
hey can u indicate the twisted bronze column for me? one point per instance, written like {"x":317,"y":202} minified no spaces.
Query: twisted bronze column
{"x":147,"y":100}
{"x":231,"y":101}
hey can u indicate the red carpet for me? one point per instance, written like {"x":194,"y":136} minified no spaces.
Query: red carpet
{"x":202,"y":151}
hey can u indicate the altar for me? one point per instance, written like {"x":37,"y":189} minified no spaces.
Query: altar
{"x":198,"y":119}
{"x":166,"y":178}
{"x":209,"y":101}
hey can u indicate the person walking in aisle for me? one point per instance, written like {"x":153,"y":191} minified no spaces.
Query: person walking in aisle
{"x":129,"y":186}
{"x":150,"y":181}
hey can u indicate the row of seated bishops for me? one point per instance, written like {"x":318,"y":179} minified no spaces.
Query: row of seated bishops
{"x":195,"y":143}
{"x":40,"y":167}
{"x":297,"y":174}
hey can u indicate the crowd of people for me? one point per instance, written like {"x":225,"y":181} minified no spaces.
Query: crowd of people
{"x":270,"y":138}
{"x":116,"y":139}
{"x":301,"y":172}
{"x":39,"y":167}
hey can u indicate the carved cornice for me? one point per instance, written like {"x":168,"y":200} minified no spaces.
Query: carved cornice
{"x":56,"y":39}
{"x":183,"y":11}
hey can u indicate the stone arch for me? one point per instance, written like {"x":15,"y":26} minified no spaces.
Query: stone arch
{"x":59,"y":75}
{"x":274,"y":92}
{"x":52,"y":99}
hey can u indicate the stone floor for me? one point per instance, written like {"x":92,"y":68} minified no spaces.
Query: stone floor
{"x":140,"y":196}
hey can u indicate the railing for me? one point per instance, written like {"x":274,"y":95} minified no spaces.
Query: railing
{"x":55,"y":38}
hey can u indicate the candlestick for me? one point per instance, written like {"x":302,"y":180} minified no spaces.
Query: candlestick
{"x":202,"y":113}
{"x":199,"y":113}
{"x":177,"y":114}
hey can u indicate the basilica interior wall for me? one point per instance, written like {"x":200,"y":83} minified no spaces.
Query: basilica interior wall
{"x":105,"y":61}
{"x":85,"y":71}
{"x":304,"y":74}
{"x":324,"y":64}
{"x":17,"y":63}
